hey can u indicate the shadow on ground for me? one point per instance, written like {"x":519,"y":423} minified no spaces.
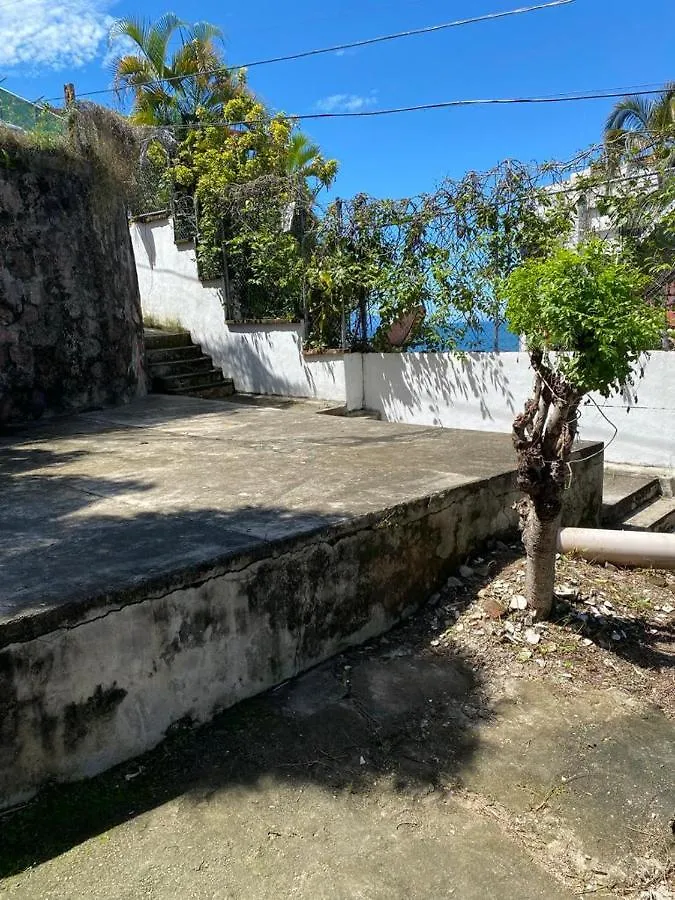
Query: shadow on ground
{"x":392,"y":710}
{"x":639,"y":640}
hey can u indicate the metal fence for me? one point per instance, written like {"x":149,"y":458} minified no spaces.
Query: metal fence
{"x":16,"y":112}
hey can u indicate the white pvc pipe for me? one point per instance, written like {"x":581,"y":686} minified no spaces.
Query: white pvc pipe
{"x":625,"y":548}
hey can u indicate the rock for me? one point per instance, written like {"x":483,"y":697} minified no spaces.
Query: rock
{"x":524,"y":655}
{"x":518,"y":602}
{"x":434,"y":599}
{"x":565,"y":592}
{"x":466,"y":571}
{"x":658,"y":580}
{"x":397,"y":652}
{"x":532,"y":636}
{"x":453,"y":582}
{"x":493,"y":609}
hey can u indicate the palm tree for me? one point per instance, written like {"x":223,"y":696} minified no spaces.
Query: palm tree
{"x":174,"y":87}
{"x":643,"y":127}
{"x":304,"y":160}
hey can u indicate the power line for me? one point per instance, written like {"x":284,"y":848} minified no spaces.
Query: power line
{"x":447,"y":104}
{"x":304,"y":54}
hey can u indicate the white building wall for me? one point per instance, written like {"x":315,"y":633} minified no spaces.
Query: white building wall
{"x":264,"y":359}
{"x":483,"y":392}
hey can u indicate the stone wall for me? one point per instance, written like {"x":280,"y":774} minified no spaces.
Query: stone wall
{"x":71,"y":334}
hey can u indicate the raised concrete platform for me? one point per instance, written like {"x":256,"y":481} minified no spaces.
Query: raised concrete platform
{"x":162,"y":561}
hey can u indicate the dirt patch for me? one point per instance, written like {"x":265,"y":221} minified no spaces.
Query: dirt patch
{"x":611,"y":627}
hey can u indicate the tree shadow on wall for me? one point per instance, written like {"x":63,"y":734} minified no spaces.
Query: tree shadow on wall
{"x":258,"y":363}
{"x":454,"y":379}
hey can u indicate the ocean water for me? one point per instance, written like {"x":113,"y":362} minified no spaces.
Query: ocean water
{"x":477,"y":339}
{"x":484,"y":339}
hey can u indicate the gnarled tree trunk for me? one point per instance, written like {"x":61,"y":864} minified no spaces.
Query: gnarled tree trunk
{"x":543,"y":436}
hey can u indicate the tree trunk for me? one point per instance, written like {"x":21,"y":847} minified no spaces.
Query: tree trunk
{"x":540,"y":537}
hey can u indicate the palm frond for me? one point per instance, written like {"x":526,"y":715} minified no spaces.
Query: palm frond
{"x":130,"y":27}
{"x":158,"y":38}
{"x":630,"y":113}
{"x":205,"y":33}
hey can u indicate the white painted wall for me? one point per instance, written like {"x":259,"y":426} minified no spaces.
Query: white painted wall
{"x":483,"y":391}
{"x":262,"y":359}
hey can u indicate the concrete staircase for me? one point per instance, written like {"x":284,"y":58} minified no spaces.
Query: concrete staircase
{"x":636,"y":500}
{"x":177,"y":366}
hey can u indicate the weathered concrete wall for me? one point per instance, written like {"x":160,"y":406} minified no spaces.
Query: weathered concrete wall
{"x":106,"y":683}
{"x":262,"y":359}
{"x":70,"y":317}
{"x":483,"y":392}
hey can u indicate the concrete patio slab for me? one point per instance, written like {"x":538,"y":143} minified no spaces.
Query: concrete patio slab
{"x":167,"y":559}
{"x":105,"y":500}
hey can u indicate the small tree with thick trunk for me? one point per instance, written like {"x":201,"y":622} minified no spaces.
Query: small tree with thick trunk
{"x":585,"y":320}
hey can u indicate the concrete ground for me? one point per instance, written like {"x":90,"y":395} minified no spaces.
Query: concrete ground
{"x":398,"y":771}
{"x":111,"y":498}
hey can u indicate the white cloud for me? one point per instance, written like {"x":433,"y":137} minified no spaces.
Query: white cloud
{"x":52,"y":34}
{"x":346,"y":102}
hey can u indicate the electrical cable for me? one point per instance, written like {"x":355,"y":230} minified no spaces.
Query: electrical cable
{"x":303,"y":54}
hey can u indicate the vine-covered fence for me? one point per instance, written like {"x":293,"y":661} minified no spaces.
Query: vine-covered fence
{"x":421,"y":272}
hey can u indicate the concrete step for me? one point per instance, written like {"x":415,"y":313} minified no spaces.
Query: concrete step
{"x":216,"y":392}
{"x":658,"y":516}
{"x":169,"y":354}
{"x":175,"y":384}
{"x":193,"y":366}
{"x":162,"y":340}
{"x":624,"y":493}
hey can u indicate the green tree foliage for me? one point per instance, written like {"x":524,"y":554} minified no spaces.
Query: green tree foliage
{"x":213,"y":162}
{"x":586,"y":322}
{"x":177,"y":74}
{"x":588,"y":305}
{"x":303,"y":159}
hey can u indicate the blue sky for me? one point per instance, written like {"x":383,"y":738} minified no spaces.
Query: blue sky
{"x":588,"y":45}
